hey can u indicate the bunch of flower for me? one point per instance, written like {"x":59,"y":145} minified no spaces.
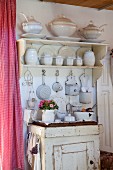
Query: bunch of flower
{"x":47,"y":105}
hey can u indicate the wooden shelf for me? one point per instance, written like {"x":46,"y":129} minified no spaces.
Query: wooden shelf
{"x":56,"y":42}
{"x":62,"y":67}
{"x":99,"y":50}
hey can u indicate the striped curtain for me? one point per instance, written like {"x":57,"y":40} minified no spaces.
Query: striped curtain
{"x":11,"y":128}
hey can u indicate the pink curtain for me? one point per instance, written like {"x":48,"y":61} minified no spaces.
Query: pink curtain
{"x":11,"y":129}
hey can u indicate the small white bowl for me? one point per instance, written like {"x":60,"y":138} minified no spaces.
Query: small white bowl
{"x":61,"y":115}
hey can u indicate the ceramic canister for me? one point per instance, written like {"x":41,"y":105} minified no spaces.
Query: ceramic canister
{"x":31,"y":56}
{"x":89,"y":58}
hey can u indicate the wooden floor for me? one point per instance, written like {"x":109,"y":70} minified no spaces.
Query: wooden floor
{"x":106,"y":160}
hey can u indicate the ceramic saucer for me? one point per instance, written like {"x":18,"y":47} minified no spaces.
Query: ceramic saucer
{"x":31,"y":35}
{"x":93,"y":40}
{"x":61,"y":38}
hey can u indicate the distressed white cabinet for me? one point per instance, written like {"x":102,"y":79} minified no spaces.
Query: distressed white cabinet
{"x":69,"y":148}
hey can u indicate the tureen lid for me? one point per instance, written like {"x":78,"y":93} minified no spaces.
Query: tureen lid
{"x":91,"y":26}
{"x":62,"y":20}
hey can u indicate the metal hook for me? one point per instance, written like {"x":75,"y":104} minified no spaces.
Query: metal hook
{"x":43,"y":72}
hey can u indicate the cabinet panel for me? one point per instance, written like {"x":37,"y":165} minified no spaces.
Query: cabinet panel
{"x":76,"y":156}
{"x":105,"y":107}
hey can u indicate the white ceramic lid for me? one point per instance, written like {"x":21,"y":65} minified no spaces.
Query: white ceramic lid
{"x":91,"y":26}
{"x":62,"y":20}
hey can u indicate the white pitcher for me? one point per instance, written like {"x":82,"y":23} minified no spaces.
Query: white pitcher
{"x":31,"y":56}
{"x":89,"y":58}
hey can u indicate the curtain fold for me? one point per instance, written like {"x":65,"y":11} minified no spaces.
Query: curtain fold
{"x":11,"y":124}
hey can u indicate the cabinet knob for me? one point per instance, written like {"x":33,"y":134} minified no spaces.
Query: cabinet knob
{"x":91,"y":162}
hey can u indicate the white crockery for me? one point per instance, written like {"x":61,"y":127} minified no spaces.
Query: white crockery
{"x":78,"y":61}
{"x":32,"y":27}
{"x":62,"y":26}
{"x":31,"y":56}
{"x":60,"y":115}
{"x":91,"y":31}
{"x":46,"y":59}
{"x":69,"y":118}
{"x":85,"y":97}
{"x":89,"y":58}
{"x":68,"y":61}
{"x":58,"y":61}
{"x":85,"y":116}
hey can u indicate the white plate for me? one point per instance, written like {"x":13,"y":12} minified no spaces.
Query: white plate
{"x":61,"y":38}
{"x":31,"y":35}
{"x":66,"y":52}
{"x":93,"y":40}
{"x":80,"y":51}
{"x":47,"y":49}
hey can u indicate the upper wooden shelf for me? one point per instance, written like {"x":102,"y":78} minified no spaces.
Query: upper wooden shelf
{"x":99,"y":4}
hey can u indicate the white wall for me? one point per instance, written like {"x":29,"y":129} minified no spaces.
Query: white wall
{"x":45,"y":12}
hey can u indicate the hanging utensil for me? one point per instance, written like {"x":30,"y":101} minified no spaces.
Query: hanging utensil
{"x":28,"y":78}
{"x":57,"y":86}
{"x":43,"y":91}
{"x":24,"y":16}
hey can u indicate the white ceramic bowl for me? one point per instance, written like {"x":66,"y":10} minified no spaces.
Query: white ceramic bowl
{"x":85,"y":116}
{"x":85,"y":97}
{"x":63,"y":30}
{"x":61,"y":115}
{"x":69,"y":118}
{"x":32,"y":27}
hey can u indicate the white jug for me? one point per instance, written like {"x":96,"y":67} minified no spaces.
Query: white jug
{"x":31,"y":56}
{"x":89,"y":58}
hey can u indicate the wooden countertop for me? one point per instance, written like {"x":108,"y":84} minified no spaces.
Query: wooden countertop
{"x":64,"y":124}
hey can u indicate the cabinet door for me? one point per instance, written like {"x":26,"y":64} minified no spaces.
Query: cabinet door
{"x":79,"y":156}
{"x":105,"y":107}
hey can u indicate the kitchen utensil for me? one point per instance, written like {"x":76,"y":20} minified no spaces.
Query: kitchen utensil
{"x":89,"y":109}
{"x":24,"y":16}
{"x":89,"y":58}
{"x":85,"y":97}
{"x":60,"y":115}
{"x":31,"y":56}
{"x":84,"y":79}
{"x":32,"y":35}
{"x":58,"y":60}
{"x":62,"y":26}
{"x":57,"y":86}
{"x":74,"y":39}
{"x":71,"y":86}
{"x":31,"y":26}
{"x":68,"y":106}
{"x":43,"y":91}
{"x":85,"y":116}
{"x":91,"y":31}
{"x":28,"y":78}
{"x":31,"y":102}
{"x":78,"y":61}
{"x":46,"y":59}
{"x":69,"y":118}
{"x":68,"y":61}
